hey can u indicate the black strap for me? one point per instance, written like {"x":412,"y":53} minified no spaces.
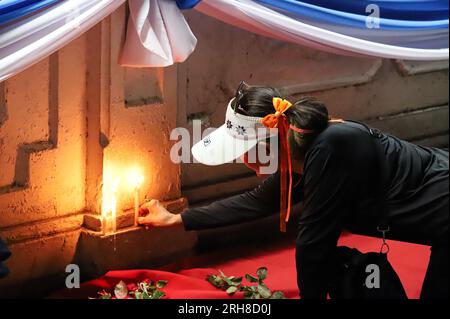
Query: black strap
{"x":381,"y":192}
{"x":380,"y":188}
{"x":383,"y":184}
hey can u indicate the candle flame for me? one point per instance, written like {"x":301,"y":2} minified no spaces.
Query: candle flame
{"x":135,"y":178}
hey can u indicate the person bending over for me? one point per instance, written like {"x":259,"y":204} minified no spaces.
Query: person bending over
{"x":332,"y":165}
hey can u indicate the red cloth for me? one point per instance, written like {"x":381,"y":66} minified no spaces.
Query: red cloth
{"x":409,"y":260}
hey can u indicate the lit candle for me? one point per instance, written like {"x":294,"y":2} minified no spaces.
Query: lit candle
{"x":105,"y":212}
{"x":136,"y":205}
{"x":136,"y":180}
{"x":109,"y":203}
{"x":114,"y":205}
{"x":104,"y":220}
{"x":114,"y":213}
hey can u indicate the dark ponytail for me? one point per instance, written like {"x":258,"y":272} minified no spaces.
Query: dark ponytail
{"x":310,"y":114}
{"x":307,"y":113}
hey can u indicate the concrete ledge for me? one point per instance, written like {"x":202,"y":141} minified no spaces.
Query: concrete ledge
{"x":68,"y":223}
{"x":93,"y":221}
{"x":52,"y":244}
{"x":42,"y":229}
{"x":38,"y":266}
{"x":133,"y":247}
{"x":408,"y":68}
{"x":130,"y":248}
{"x":441,"y":141}
{"x":415,"y":125}
{"x":323,"y":85}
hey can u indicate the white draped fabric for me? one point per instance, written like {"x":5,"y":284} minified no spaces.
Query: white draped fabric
{"x":157,"y":35}
{"x":29,"y":40}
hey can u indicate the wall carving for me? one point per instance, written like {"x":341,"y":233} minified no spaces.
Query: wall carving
{"x":21,"y":177}
{"x":365,"y":76}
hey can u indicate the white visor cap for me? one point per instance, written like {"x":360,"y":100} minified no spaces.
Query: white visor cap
{"x":237,"y":136}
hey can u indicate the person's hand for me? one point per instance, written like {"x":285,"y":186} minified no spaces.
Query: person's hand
{"x":153,"y":213}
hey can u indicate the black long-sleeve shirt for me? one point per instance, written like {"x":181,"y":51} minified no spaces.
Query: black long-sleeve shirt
{"x":338,"y":189}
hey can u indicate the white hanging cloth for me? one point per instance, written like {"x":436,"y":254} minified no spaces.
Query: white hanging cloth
{"x":157,"y":35}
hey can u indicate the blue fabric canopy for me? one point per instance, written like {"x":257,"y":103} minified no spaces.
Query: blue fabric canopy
{"x":357,"y":20}
{"x":11,"y":5}
{"x":187,"y":4}
{"x":11,"y":10}
{"x":419,"y":10}
{"x":394,"y":14}
{"x":386,"y":25}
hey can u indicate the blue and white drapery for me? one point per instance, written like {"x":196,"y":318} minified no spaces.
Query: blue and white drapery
{"x":158,"y":34}
{"x":31,"y":30}
{"x":405,"y":29}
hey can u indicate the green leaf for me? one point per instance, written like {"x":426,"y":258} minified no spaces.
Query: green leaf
{"x":262,"y":273}
{"x":104,"y":295}
{"x":146,"y":296}
{"x":264,"y":291}
{"x":215,"y":281}
{"x":248,"y":294}
{"x":228,"y":281}
{"x":277,"y":295}
{"x":138,"y":295}
{"x":158,"y":294}
{"x":161,"y":283}
{"x":233,"y":284}
{"x":250,"y":278}
{"x":231,"y":290}
{"x":211,"y":278}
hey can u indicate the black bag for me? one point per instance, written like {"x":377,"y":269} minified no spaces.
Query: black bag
{"x":352,"y":279}
{"x":4,"y":254}
{"x":368,"y":275}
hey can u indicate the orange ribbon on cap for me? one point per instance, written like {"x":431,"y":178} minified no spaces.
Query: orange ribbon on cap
{"x":280,"y":121}
{"x":281,"y":106}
